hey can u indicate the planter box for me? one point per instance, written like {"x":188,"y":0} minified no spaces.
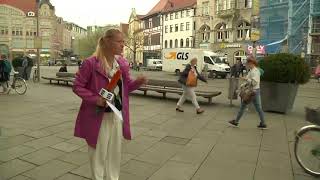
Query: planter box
{"x":278,"y":97}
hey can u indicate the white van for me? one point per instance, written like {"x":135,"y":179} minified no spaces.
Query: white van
{"x":175,"y":60}
{"x":154,"y":64}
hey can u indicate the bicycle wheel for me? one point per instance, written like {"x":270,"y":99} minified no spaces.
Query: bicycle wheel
{"x":20,"y":85}
{"x":307,"y":149}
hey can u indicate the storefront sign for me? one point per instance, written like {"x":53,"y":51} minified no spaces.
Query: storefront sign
{"x":255,"y":34}
{"x":260,"y":49}
{"x":230,"y":46}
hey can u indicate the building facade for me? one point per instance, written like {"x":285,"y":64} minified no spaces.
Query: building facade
{"x":314,"y":31}
{"x":18,"y":27}
{"x":135,"y":38}
{"x":152,"y":32}
{"x":225,"y":26}
{"x":179,"y":25}
{"x":30,"y":24}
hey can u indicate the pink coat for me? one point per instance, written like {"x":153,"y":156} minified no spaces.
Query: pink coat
{"x":89,"y":81}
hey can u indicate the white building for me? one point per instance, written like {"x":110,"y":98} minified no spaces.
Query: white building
{"x":179,"y":25}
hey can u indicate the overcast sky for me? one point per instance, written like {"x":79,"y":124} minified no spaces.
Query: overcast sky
{"x":100,"y":12}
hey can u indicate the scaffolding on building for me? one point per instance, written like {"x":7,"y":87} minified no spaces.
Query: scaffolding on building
{"x":287,"y":22}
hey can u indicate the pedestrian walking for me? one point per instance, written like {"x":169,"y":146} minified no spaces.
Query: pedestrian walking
{"x":25,"y":66}
{"x":252,"y":79}
{"x":96,"y":122}
{"x":5,"y":69}
{"x":236,"y":69}
{"x":188,"y":79}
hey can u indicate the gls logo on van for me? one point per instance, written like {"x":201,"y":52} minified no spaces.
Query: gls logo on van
{"x":179,"y":56}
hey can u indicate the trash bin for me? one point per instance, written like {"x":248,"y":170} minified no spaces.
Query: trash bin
{"x":233,"y":86}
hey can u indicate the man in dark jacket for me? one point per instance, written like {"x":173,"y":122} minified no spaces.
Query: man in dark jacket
{"x":5,"y":69}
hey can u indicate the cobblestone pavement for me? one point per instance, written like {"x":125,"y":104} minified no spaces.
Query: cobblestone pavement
{"x":37,"y":140}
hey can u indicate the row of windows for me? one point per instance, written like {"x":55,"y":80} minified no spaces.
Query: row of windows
{"x":176,"y":27}
{"x":242,"y":34}
{"x":176,"y":43}
{"x":176,"y":15}
{"x":221,"y":5}
{"x":17,"y":32}
{"x":10,"y":11}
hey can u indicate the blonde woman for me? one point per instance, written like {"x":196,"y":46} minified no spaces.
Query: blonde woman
{"x":100,"y":127}
{"x":187,"y":90}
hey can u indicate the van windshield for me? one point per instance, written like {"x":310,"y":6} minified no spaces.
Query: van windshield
{"x":216,"y":59}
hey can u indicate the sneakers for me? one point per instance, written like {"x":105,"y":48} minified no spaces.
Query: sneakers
{"x":200,"y":111}
{"x":233,"y":123}
{"x":179,"y":109}
{"x":262,"y":126}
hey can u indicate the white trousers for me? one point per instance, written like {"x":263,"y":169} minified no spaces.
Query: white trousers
{"x":188,"y":91}
{"x":105,"y":159}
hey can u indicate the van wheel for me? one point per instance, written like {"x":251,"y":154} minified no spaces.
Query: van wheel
{"x":177,"y":71}
{"x":223,"y":76}
{"x":212,"y":74}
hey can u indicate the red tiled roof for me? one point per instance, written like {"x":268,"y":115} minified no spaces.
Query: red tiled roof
{"x":24,"y":5}
{"x":174,"y":5}
{"x":171,"y":5}
{"x":158,"y":7}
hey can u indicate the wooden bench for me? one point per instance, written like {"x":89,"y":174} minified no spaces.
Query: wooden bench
{"x":61,"y":77}
{"x":164,"y":87}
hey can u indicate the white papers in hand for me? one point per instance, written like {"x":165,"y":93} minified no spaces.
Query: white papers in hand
{"x":116,"y":111}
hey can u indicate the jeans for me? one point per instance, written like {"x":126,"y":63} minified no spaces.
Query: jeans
{"x":257,"y":104}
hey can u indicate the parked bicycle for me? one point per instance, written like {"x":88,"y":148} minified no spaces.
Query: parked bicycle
{"x":18,"y":84}
{"x":307,"y":143}
{"x":35,"y":74}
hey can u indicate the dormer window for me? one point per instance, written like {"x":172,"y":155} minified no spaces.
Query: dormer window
{"x":31,"y":14}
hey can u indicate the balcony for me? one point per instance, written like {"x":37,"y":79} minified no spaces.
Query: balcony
{"x":315,"y":49}
{"x":226,"y":13}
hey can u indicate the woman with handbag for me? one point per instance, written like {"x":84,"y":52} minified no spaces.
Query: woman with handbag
{"x":188,"y":79}
{"x":253,"y":95}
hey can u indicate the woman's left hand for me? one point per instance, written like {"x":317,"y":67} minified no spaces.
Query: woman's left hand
{"x":141,"y":79}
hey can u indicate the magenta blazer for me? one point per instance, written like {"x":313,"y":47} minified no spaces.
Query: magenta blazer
{"x":87,"y":84}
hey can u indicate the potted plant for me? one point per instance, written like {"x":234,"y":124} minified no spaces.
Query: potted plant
{"x":17,"y":65}
{"x":279,"y":84}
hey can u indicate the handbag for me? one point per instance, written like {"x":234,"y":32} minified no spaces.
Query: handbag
{"x":191,"y":79}
{"x":247,"y":93}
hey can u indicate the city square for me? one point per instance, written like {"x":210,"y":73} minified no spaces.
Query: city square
{"x":65,"y":90}
{"x":37,"y":139}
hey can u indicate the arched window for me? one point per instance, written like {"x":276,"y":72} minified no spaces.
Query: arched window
{"x":165,"y":44}
{"x":205,"y":33}
{"x":170,"y":43}
{"x":176,"y":43}
{"x":221,"y":32}
{"x":243,"y":31}
{"x":187,"y":42}
{"x":181,"y":43}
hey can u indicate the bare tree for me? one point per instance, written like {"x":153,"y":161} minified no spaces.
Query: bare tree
{"x":134,"y":42}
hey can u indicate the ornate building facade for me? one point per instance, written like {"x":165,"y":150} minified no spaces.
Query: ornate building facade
{"x":26,"y":25}
{"x":225,"y":26}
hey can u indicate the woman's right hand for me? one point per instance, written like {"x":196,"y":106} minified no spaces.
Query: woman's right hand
{"x":101,"y":102}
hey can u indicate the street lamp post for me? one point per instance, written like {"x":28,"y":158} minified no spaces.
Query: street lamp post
{"x":38,"y":43}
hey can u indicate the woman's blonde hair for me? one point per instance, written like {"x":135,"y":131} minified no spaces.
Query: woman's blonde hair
{"x":101,"y":46}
